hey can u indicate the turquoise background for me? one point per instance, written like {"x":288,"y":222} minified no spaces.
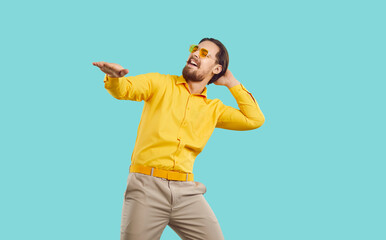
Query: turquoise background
{"x":315,"y":170}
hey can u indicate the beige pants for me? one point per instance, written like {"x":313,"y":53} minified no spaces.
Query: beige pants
{"x":151,"y":203}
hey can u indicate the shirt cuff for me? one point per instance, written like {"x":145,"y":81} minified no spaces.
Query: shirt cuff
{"x":108,"y":80}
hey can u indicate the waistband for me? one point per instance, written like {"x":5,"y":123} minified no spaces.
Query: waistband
{"x":156,"y":172}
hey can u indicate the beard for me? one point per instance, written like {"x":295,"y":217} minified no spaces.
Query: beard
{"x":191,"y":75}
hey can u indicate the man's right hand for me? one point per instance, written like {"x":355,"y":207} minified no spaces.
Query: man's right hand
{"x":112,"y":69}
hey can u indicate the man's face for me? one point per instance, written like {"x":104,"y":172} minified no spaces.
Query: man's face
{"x":198,"y":69}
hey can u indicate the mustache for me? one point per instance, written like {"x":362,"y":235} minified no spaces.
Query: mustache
{"x":195,"y":60}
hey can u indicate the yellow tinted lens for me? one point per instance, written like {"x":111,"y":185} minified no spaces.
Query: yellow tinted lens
{"x":193,"y":48}
{"x":203,"y":52}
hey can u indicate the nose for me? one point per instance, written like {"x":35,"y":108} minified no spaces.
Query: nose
{"x":195,"y":54}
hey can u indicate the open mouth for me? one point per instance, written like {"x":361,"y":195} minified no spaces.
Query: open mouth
{"x":192,"y":63}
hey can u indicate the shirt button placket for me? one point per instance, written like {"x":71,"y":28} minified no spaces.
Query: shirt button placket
{"x":188,"y":107}
{"x":184,"y":124}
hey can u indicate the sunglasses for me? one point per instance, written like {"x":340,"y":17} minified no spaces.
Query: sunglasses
{"x":202,"y":51}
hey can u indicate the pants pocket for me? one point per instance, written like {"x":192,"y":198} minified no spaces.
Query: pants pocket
{"x":201,"y":187}
{"x":129,"y":180}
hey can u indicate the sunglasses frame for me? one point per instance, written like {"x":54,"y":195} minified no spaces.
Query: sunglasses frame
{"x":203,"y":52}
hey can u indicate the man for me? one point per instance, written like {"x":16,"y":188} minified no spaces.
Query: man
{"x":176,"y":122}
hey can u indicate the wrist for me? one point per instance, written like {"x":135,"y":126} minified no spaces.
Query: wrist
{"x":112,"y":76}
{"x":233,"y":83}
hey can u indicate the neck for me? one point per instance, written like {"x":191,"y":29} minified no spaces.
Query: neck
{"x":196,"y":87}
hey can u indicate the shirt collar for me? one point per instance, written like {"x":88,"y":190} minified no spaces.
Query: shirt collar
{"x":181,"y":80}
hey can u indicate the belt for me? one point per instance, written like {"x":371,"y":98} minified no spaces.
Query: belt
{"x":156,"y":172}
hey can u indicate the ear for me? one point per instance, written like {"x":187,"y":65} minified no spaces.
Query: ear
{"x":217,"y":69}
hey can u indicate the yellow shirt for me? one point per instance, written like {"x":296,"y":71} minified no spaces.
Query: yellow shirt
{"x":175,"y":124}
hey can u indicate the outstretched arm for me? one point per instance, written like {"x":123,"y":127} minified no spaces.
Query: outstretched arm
{"x":136,"y":88}
{"x":248,"y":117}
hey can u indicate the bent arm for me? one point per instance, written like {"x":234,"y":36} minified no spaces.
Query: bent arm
{"x":247,"y":118}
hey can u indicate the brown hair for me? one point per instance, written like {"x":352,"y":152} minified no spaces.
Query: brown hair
{"x":222,"y":58}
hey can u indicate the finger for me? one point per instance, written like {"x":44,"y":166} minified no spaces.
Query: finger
{"x":123,"y":72}
{"x":98,"y":64}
